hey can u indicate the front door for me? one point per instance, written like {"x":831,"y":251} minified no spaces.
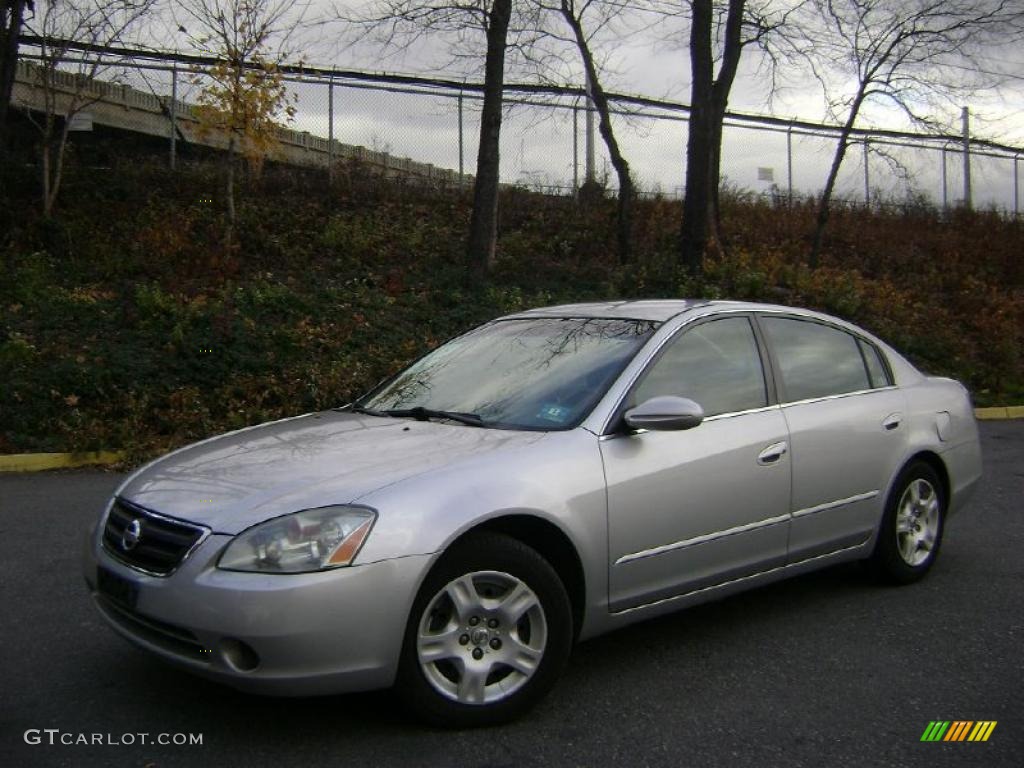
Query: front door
{"x":690,"y":509}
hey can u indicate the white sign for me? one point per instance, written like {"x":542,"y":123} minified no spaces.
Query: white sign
{"x":80,"y":121}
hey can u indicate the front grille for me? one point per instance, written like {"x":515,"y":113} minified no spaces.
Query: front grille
{"x":161,"y":542}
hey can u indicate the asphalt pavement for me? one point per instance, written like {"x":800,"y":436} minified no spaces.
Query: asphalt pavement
{"x":827,"y":669}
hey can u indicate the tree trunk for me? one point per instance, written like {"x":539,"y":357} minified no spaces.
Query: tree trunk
{"x":627,"y":191}
{"x":715,"y":180}
{"x":824,"y":205}
{"x":47,"y":146}
{"x":11,"y":17}
{"x":720,"y":90}
{"x":230,"y":193}
{"x":709,"y":97}
{"x":693,"y":236}
{"x":55,"y":169}
{"x":47,"y":206}
{"x":483,"y":225}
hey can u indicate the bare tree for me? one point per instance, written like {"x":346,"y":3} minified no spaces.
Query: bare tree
{"x":905,"y":54}
{"x":68,"y":86}
{"x":472,"y":30}
{"x":243,"y":95}
{"x":719,"y":32}
{"x":575,"y":13}
{"x":12,"y":14}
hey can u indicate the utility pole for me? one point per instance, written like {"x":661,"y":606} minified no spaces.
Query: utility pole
{"x":965,"y":116}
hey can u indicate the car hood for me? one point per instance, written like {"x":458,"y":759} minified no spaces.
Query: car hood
{"x":239,"y":479}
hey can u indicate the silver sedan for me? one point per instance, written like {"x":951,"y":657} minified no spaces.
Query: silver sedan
{"x":542,"y":479}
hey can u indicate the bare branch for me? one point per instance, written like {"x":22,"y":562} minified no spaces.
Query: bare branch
{"x":55,"y":23}
{"x":900,"y":54}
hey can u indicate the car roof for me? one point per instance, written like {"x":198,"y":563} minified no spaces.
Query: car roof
{"x":658,"y":310}
{"x":663,"y":310}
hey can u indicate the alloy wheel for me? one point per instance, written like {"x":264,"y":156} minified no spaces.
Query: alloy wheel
{"x":917,"y":522}
{"x":481,"y":637}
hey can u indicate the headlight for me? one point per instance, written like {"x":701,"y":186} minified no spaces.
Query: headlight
{"x":311,"y":540}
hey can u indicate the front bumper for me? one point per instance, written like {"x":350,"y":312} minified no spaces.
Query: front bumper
{"x":315,"y":633}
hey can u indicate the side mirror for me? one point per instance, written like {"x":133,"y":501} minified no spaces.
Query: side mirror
{"x":665,"y":413}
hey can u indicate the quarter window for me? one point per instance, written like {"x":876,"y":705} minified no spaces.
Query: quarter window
{"x":873,"y":359}
{"x":815,"y":360}
{"x":715,"y":364}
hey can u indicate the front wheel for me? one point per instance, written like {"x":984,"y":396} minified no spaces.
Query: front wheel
{"x":489,"y":634}
{"x":911,"y":531}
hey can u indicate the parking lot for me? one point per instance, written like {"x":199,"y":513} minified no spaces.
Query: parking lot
{"x":828,"y":669}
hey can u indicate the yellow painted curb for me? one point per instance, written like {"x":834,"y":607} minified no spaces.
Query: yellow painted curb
{"x":1000,"y":412}
{"x":33,"y":462}
{"x":990,"y":414}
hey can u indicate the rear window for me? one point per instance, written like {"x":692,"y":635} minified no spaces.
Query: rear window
{"x":815,"y":360}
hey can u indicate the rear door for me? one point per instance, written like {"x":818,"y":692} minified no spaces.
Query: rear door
{"x":846,"y":430}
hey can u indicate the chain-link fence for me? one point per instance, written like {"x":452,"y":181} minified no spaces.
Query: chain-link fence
{"x":427,"y":129}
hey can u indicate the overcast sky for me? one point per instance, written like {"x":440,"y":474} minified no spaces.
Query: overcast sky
{"x":654,"y":62}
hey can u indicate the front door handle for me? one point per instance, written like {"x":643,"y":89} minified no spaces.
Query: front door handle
{"x":892,"y":421}
{"x":772,"y":453}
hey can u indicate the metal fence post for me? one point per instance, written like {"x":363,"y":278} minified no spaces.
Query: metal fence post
{"x":591,"y":170}
{"x":462,"y":140}
{"x":867,"y":176}
{"x":1016,"y":186}
{"x":945,"y":184}
{"x":173,"y":111}
{"x":330,"y":127}
{"x":789,"y":162}
{"x":966,"y":119}
{"x":576,"y":147}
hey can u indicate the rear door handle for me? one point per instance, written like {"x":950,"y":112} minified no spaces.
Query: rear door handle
{"x":892,"y":421}
{"x":772,"y":453}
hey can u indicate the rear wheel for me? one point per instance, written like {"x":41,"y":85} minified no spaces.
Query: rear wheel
{"x":911,"y":531}
{"x":488,"y":635}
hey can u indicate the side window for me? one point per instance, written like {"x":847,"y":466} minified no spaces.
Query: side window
{"x":873,"y":359}
{"x":815,"y":360}
{"x":716,"y":364}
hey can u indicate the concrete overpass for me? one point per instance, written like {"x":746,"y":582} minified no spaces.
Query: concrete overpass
{"x":123,"y":107}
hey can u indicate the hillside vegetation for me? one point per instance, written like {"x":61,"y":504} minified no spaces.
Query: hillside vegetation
{"x":125,"y":324}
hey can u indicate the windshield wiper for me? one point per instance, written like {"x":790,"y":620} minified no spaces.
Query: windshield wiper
{"x":361,"y":409}
{"x":419,"y":413}
{"x":425,"y":414}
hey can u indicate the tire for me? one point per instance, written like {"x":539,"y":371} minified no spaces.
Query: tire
{"x":489,"y":634}
{"x":911,"y":531}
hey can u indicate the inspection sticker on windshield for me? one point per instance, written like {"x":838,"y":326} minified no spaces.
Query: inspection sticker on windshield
{"x":554,"y":413}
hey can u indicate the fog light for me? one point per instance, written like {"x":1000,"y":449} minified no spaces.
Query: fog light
{"x":239,"y":655}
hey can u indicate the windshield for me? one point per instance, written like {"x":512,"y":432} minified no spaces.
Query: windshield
{"x":536,"y":373}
